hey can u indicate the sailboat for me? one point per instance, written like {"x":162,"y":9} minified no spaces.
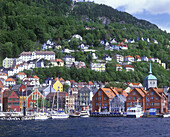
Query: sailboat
{"x":58,"y":114}
{"x":41,"y":115}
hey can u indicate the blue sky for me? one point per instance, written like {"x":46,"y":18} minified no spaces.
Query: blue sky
{"x":154,"y":11}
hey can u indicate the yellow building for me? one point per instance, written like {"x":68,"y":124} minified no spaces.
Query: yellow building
{"x":21,"y":102}
{"x":8,"y":62}
{"x":58,"y":86}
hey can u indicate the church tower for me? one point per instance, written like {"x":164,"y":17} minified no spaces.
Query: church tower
{"x":150,"y":81}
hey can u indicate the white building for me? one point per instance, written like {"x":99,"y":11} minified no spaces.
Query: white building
{"x":129,"y":59}
{"x":26,"y":56}
{"x":129,"y":68}
{"x":10,"y":81}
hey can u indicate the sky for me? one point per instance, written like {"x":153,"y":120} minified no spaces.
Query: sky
{"x":154,"y":11}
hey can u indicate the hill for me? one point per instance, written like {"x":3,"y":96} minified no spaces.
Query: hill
{"x":26,"y":24}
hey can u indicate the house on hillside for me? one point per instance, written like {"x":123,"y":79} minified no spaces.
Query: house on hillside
{"x":118,"y":58}
{"x":137,"y":58}
{"x":10,"y":82}
{"x":101,"y":66}
{"x":129,"y":68}
{"x":57,"y":62}
{"x":118,"y":67}
{"x":129,"y":58}
{"x":21,"y":75}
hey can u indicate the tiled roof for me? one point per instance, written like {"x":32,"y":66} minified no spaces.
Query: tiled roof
{"x":59,"y":60}
{"x":38,"y":53}
{"x":134,"y":83}
{"x":36,"y":77}
{"x":108,"y":92}
{"x":118,"y":65}
{"x":61,"y":79}
{"x":90,"y":83}
{"x":21,"y":73}
{"x":128,"y":66}
{"x":140,"y":92}
{"x":128,"y":56}
{"x":10,"y":79}
{"x":137,"y":56}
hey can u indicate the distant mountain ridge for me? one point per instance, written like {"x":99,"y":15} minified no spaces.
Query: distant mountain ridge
{"x":95,"y":11}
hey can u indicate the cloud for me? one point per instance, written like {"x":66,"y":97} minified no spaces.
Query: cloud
{"x":138,"y":6}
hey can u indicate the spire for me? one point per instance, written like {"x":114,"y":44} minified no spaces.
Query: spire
{"x":150,"y":69}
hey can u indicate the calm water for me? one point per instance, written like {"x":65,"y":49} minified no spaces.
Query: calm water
{"x":84,"y":127}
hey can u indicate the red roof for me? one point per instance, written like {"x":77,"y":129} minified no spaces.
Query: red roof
{"x":137,"y":57}
{"x":118,"y":65}
{"x":128,"y":56}
{"x":128,"y":66}
{"x":10,"y":79}
{"x":90,"y":83}
{"x":21,"y":73}
{"x":3,"y":74}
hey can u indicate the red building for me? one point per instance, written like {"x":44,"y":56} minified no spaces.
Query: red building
{"x":136,"y":95}
{"x":10,"y":101}
{"x":157,"y":99}
{"x":101,"y":99}
{"x":33,"y":97}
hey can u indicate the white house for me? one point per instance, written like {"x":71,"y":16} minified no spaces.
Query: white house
{"x":10,"y":81}
{"x":129,"y":58}
{"x":118,"y":58}
{"x":118,"y":67}
{"x":21,"y":75}
{"x":98,"y":66}
{"x":129,"y":68}
{"x":3,"y":76}
{"x":76,"y":36}
{"x":31,"y":80}
{"x":26,"y":56}
{"x":69,"y":59}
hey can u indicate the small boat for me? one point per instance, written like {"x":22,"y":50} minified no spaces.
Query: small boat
{"x":41,"y":116}
{"x":166,"y":115}
{"x":76,"y":114}
{"x":59,"y":115}
{"x":84,"y":113}
{"x":134,"y":112}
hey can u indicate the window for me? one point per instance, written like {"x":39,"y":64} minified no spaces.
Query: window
{"x":151,"y":92}
{"x":105,"y":98}
{"x":156,"y":104}
{"x":153,"y":82}
{"x":97,"y":104}
{"x":147,"y":104}
{"x":100,"y":104}
{"x":13,"y":99}
{"x":152,"y":98}
{"x":139,"y":98}
{"x":100,"y":93}
{"x":96,"y":98}
{"x":9,"y":104}
{"x":157,"y":98}
{"x":152,"y":104}
{"x":129,"y":98}
{"x":100,"y":98}
{"x":134,"y":93}
{"x":15,"y":104}
{"x":134,"y":98}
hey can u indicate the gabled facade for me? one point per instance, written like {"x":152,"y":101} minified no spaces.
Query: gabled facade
{"x":10,"y":101}
{"x":137,"y":58}
{"x":136,"y":95}
{"x":157,"y":99}
{"x":101,"y":99}
{"x":58,"y":86}
{"x":84,"y":97}
{"x":32,"y":98}
{"x":117,"y":104}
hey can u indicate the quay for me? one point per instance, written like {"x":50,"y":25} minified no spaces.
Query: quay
{"x":106,"y":114}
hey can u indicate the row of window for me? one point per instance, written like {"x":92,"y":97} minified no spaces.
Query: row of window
{"x":13,"y":104}
{"x":13,"y":99}
{"x":100,"y":104}
{"x":153,"y":104}
{"x":100,"y":98}
{"x":139,"y":98}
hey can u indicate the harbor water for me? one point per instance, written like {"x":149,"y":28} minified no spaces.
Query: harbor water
{"x":85,"y":127}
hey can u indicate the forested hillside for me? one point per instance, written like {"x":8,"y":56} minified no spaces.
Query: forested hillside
{"x":26,"y":24}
